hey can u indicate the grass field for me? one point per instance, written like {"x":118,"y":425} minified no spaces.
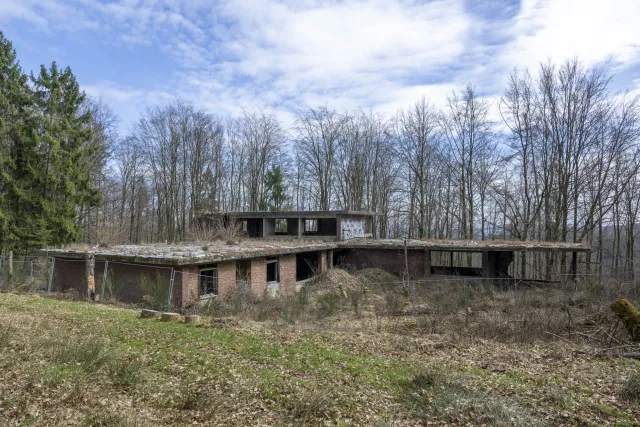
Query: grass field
{"x":74,"y":363}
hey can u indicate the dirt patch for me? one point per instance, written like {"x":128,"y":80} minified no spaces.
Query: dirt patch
{"x":337,"y":279}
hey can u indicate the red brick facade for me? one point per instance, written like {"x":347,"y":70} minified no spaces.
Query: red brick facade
{"x":287,"y":274}
{"x":186,"y":287}
{"x":258,"y":277}
{"x":226,"y":278}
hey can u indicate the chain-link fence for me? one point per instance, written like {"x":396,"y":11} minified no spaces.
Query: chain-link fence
{"x":495,"y":308}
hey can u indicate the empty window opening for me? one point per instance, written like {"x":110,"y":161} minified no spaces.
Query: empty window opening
{"x":281,"y":226}
{"x":310,"y":225}
{"x":273,"y":269}
{"x":209,"y":281}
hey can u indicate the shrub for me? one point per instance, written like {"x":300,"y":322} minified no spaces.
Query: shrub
{"x":394,"y":302}
{"x":355,"y":296}
{"x":328,"y":304}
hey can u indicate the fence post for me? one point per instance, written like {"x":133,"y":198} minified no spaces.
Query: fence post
{"x":244,"y":295}
{"x":173,"y":273}
{"x":53,"y":263}
{"x":464,"y":294}
{"x":104,"y":280}
{"x":413,"y":296}
{"x":11,"y":268}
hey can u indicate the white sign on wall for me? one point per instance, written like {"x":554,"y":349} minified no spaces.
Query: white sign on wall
{"x":352,"y":228}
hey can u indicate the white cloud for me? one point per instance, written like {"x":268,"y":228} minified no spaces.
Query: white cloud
{"x":591,"y":30}
{"x":382,"y":54}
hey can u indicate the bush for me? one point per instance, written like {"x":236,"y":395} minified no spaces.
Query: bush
{"x":394,"y":302}
{"x":355,"y":296}
{"x":328,"y":304}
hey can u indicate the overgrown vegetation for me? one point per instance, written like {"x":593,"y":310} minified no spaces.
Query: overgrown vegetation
{"x":284,"y":373}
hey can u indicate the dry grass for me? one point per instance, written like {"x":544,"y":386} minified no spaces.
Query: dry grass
{"x":74,"y":363}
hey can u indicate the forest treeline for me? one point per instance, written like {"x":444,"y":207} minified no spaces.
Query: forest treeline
{"x":561,"y":164}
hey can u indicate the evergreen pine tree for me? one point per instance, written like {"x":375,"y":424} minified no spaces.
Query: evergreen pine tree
{"x":64,"y":134}
{"x":21,"y":222}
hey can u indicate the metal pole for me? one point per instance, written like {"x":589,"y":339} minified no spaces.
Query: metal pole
{"x":104,"y":281}
{"x":53,"y":263}
{"x":464,"y":281}
{"x":173,"y":273}
{"x":413,"y":296}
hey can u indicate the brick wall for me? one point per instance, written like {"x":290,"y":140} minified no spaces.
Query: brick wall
{"x":186,"y":287}
{"x":226,"y":278}
{"x":258,"y":276}
{"x":287,"y":274}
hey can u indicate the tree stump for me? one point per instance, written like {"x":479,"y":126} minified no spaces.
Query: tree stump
{"x":148,"y":314}
{"x":169,"y":317}
{"x":191,"y":319}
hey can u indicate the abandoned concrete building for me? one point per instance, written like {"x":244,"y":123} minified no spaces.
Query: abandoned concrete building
{"x":308,"y":225}
{"x":278,"y":257}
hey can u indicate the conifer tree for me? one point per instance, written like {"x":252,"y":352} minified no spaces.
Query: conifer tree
{"x":64,"y":133}
{"x":21,"y":222}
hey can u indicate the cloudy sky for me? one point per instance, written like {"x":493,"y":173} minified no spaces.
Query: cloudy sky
{"x":227,"y":55}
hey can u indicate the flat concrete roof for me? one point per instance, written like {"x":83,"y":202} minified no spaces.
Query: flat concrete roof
{"x":290,"y":214}
{"x":468,"y":245}
{"x":217,"y":251}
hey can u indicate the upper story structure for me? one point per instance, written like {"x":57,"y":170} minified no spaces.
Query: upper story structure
{"x":312,"y":225}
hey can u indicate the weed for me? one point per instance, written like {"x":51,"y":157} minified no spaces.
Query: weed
{"x":90,"y":353}
{"x":328,"y":304}
{"x":126,"y":373}
{"x":394,"y":302}
{"x":355,"y":296}
{"x":311,"y":406}
{"x":434,"y":393}
{"x":109,"y":419}
{"x":631,"y":388}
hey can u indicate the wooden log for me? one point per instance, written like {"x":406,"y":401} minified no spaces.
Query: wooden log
{"x":90,"y":265}
{"x":191,"y":319}
{"x":148,"y":314}
{"x":168,"y":317}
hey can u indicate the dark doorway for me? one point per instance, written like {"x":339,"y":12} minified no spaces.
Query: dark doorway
{"x":306,"y":265}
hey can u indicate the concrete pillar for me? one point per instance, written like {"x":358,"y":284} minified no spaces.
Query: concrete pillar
{"x":330,"y":259}
{"x":488,"y":265}
{"x":574,"y":265}
{"x":322,"y":261}
{"x":300,"y":227}
{"x":427,"y":263}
